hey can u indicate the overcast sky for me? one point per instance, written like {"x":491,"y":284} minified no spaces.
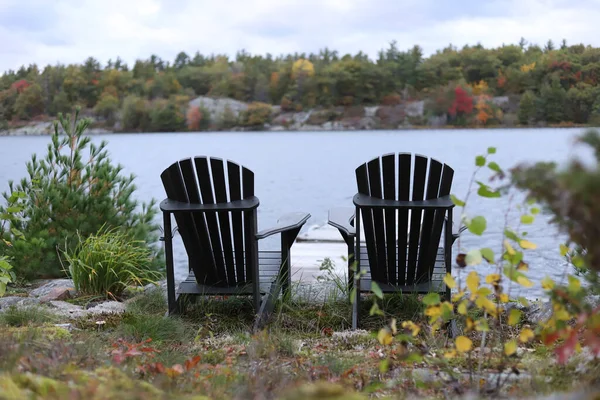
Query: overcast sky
{"x":68,"y":31}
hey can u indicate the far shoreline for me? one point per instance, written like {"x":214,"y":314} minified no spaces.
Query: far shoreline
{"x":97,"y":131}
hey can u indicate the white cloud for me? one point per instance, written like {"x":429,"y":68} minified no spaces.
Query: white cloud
{"x":69,"y":31}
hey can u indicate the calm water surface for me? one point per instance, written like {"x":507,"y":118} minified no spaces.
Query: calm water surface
{"x":314,"y":171}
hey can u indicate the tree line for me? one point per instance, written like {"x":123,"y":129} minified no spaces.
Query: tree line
{"x":553,"y":84}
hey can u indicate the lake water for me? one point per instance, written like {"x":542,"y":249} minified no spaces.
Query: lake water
{"x":314,"y":171}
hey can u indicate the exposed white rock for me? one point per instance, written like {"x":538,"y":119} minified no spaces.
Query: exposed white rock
{"x":216,"y":107}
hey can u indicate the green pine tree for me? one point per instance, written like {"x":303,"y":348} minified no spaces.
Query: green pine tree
{"x":75,"y":190}
{"x":527,"y":108}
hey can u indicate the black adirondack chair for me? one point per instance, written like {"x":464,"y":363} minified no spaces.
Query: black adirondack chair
{"x":215,"y":209}
{"x":402,"y":227}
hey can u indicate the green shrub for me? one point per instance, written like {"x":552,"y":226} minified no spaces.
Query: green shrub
{"x":107,"y":107}
{"x":6,"y":274}
{"x":165,"y":116}
{"x":8,"y":215}
{"x":70,"y":193}
{"x":107,"y":262}
{"x":256,"y":116}
{"x":527,"y":108}
{"x":134,"y":114}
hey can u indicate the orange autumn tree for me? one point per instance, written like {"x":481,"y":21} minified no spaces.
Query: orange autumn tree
{"x":484,"y":109}
{"x":194,"y":118}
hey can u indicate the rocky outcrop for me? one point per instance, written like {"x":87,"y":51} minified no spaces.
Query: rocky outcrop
{"x":217,"y":107}
{"x":54,"y":286}
{"x":397,"y":116}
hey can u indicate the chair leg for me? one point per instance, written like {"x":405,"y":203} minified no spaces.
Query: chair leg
{"x":171,"y":289}
{"x":356,"y":307}
{"x":355,"y":304}
{"x":267,"y":306}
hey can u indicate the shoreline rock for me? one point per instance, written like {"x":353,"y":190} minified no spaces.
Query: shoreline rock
{"x":408,"y":115}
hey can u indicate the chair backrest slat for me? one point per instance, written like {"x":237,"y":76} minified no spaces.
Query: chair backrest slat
{"x":235,"y":193}
{"x":418,"y":191}
{"x":206,"y":190}
{"x":217,"y":243}
{"x":388,"y":169}
{"x":248,"y":190}
{"x":220,"y":188}
{"x":404,"y":174}
{"x":386,"y":231}
{"x":374,"y":173}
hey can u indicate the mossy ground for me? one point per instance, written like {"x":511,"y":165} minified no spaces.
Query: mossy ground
{"x":211,"y":352}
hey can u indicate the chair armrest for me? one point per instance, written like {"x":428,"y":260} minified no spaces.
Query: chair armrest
{"x":174,"y":206}
{"x":341,"y":219}
{"x":287,"y":222}
{"x":365,"y":201}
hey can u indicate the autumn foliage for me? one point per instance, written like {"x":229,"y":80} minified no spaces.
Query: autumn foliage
{"x":194,"y":117}
{"x":462,"y":104}
{"x":20,"y":85}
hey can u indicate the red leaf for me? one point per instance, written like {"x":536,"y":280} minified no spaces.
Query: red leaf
{"x":191,"y":363}
{"x":566,"y":350}
{"x":592,"y":340}
{"x":550,"y":338}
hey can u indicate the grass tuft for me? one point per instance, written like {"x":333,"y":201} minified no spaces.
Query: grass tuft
{"x":152,"y":302}
{"x":108,"y":262}
{"x":26,"y":316}
{"x":156,"y":327}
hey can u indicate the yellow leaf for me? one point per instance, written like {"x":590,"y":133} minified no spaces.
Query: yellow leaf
{"x":523,"y":266}
{"x":547,"y":283}
{"x":523,"y":281}
{"x":462,"y":308}
{"x":486,"y":303}
{"x":481,"y":325}
{"x":574,"y":284}
{"x":562,"y":315}
{"x":412,"y":326}
{"x":463,"y":344}
{"x":470,"y":324}
{"x":433,"y":311}
{"x":473,"y":281}
{"x":510,"y":348}
{"x":456,"y":297}
{"x":526,"y":244}
{"x":493,"y":279}
{"x":563,"y":250}
{"x":514,"y":317}
{"x":526,"y":335}
{"x":393,"y":326}
{"x":509,"y":247}
{"x":385,"y":336}
{"x":504,"y":298}
{"x":450,"y":354}
{"x":449,"y":281}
